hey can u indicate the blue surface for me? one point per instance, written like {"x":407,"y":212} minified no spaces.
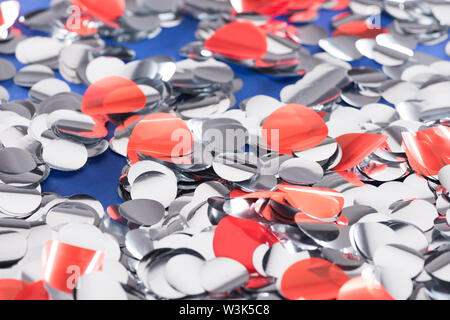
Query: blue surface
{"x":99,"y":177}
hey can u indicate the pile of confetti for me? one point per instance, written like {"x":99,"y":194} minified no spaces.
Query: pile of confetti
{"x":337,"y":189}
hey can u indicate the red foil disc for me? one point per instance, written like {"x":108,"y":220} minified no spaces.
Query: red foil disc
{"x":358,"y":29}
{"x":63,"y":264}
{"x":270,"y":7}
{"x":428,"y":150}
{"x":112,"y":94}
{"x":102,"y":11}
{"x":340,"y":4}
{"x":312,"y":279}
{"x":162,"y":136}
{"x":238,"y":238}
{"x":239,"y":40}
{"x":293,"y":127}
{"x":10,"y":288}
{"x":34,"y":291}
{"x":318,"y":203}
{"x":356,"y":147}
{"x":360,"y":288}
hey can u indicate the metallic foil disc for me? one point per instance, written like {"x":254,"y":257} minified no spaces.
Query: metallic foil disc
{"x":342,"y":47}
{"x":99,"y":286}
{"x":64,"y":155}
{"x":300,"y":171}
{"x":47,"y":88}
{"x":32,"y":74}
{"x":8,"y":70}
{"x":40,"y":50}
{"x":142,"y":211}
{"x":222,"y":275}
{"x":366,"y":237}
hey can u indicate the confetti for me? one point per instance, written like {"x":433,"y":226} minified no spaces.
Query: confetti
{"x":335,"y":189}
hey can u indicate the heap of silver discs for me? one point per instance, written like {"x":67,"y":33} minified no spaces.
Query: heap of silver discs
{"x":426,"y":21}
{"x":285,"y":54}
{"x":358,"y":188}
{"x":47,"y":131}
{"x":141,"y":20}
{"x":207,"y":9}
{"x":188,"y":88}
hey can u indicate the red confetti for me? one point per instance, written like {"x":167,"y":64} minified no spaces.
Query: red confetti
{"x":360,"y":288}
{"x":238,"y":238}
{"x":162,"y":136}
{"x":360,"y":29}
{"x":312,"y":279}
{"x":356,"y":147}
{"x":10,"y":288}
{"x":239,"y":40}
{"x":63,"y":264}
{"x":112,"y":94}
{"x":319,"y":203}
{"x":34,"y":291}
{"x":293,"y":127}
{"x":428,"y":150}
{"x":113,"y":10}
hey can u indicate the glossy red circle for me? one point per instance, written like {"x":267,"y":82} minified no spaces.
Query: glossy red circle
{"x":257,"y":5}
{"x":340,"y":4}
{"x":359,"y":288}
{"x":312,"y":279}
{"x":239,"y":40}
{"x":356,"y":147}
{"x":318,"y":203}
{"x":63,"y":264}
{"x":238,"y":238}
{"x":34,"y":291}
{"x":112,"y":94}
{"x":428,"y":150}
{"x":162,"y":136}
{"x":109,"y":11}
{"x":293,"y":127}
{"x":9,"y":288}
{"x":360,"y":29}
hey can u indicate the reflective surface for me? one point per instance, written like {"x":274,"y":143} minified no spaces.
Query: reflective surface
{"x":331,"y":183}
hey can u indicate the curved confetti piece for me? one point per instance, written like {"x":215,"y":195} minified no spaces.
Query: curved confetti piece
{"x":34,"y":291}
{"x":162,"y":136}
{"x":84,"y":26}
{"x":428,"y":150}
{"x":10,"y":288}
{"x":318,"y":203}
{"x":238,"y":238}
{"x":63,"y":264}
{"x":112,"y":94}
{"x":239,"y":39}
{"x":358,"y":29}
{"x":360,"y":288}
{"x":98,"y":9}
{"x":356,"y":147}
{"x":312,"y":279}
{"x":293,"y":127}
{"x":268,"y":7}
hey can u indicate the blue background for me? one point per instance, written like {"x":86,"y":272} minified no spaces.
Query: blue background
{"x":99,"y":177}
